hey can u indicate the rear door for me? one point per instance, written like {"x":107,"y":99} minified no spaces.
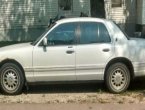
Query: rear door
{"x":93,"y":50}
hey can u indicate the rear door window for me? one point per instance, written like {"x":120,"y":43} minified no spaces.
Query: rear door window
{"x":92,"y":32}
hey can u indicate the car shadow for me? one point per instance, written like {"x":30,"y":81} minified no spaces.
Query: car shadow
{"x":137,"y":85}
{"x":65,"y":88}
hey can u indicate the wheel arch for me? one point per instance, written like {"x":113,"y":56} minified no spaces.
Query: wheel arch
{"x":123,"y":60}
{"x":14,"y":62}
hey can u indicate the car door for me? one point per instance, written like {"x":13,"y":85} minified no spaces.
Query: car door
{"x":93,"y":50}
{"x":56,"y":61}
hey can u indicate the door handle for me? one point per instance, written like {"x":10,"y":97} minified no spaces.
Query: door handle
{"x":70,"y":47}
{"x":70,"y":51}
{"x":106,"y":50}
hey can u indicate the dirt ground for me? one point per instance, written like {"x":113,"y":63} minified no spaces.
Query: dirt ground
{"x":78,"y":94}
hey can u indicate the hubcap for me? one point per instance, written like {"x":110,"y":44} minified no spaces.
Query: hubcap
{"x":118,"y":79}
{"x":10,"y":79}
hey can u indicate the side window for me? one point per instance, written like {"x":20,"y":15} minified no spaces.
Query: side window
{"x":93,"y":32}
{"x":103,"y":34}
{"x":64,"y":34}
{"x":89,"y":33}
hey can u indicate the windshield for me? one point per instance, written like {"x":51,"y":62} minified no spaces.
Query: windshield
{"x":39,"y":38}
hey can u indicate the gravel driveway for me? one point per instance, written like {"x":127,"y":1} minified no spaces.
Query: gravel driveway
{"x":79,"y":94}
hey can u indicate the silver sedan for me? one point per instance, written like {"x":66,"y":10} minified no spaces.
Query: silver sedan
{"x":74,"y":49}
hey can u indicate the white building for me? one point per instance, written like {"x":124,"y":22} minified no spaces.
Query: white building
{"x":24,"y":20}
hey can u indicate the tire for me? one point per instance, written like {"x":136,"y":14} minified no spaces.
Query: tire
{"x":117,"y":78}
{"x":11,"y":79}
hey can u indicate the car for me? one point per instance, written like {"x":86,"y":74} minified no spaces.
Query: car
{"x":74,"y":50}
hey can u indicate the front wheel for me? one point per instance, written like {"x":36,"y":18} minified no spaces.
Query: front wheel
{"x":11,"y":79}
{"x":117,"y":78}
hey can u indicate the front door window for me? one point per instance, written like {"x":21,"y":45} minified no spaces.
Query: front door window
{"x":62,"y":35}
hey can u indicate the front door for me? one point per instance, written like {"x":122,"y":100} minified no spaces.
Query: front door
{"x":56,"y":62}
{"x":93,"y":50}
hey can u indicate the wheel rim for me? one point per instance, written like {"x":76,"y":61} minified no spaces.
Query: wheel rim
{"x":118,"y":79}
{"x":10,"y":79}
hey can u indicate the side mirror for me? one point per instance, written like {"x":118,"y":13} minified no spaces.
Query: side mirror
{"x":44,"y":42}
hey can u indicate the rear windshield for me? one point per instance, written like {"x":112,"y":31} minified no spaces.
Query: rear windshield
{"x":122,"y":31}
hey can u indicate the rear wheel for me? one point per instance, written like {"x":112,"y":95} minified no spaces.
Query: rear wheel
{"x":11,"y":79}
{"x":117,"y":78}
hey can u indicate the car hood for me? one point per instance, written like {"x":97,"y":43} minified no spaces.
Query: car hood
{"x":21,"y":53}
{"x":14,"y":47}
{"x":16,"y":51}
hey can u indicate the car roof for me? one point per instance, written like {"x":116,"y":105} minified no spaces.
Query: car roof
{"x":79,"y":19}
